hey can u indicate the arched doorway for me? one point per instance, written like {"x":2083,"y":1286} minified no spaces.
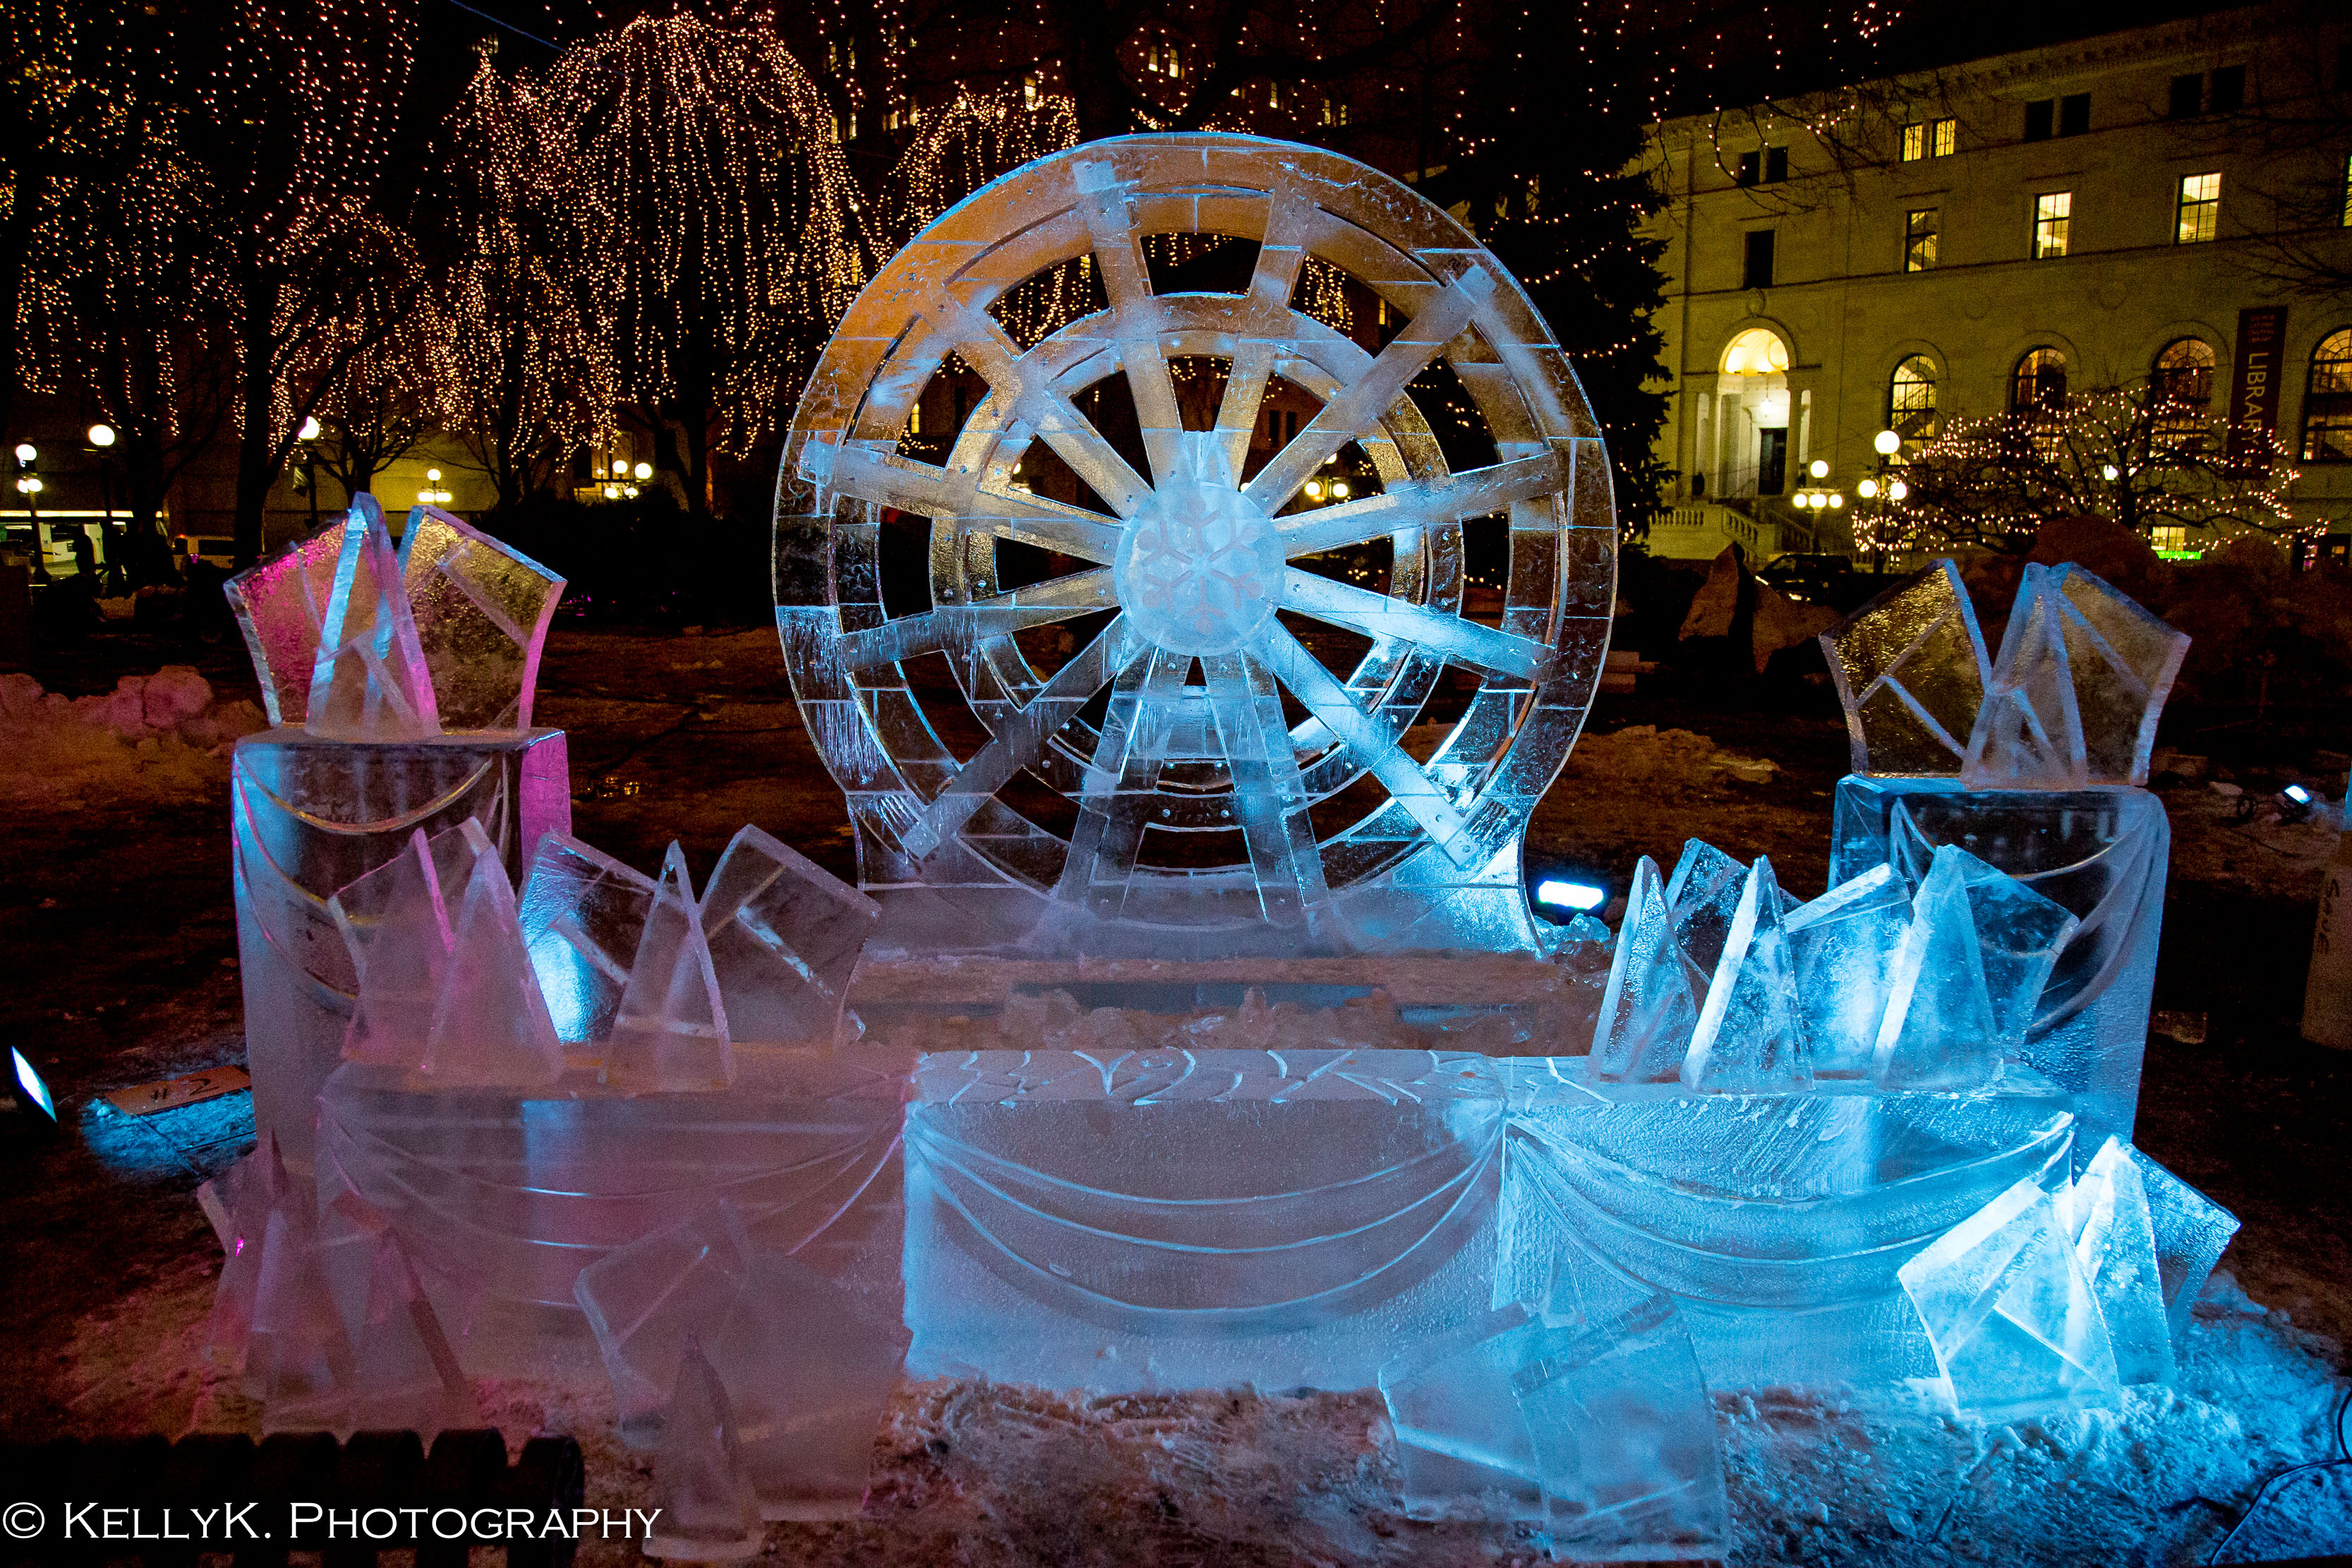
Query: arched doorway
{"x":1751,"y":438}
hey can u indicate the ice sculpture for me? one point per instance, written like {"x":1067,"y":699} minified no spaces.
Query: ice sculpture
{"x":1751,"y":1033}
{"x":707,"y":1511}
{"x":1196,"y":556}
{"x":491,"y":1025}
{"x":582,"y":913}
{"x":670,"y":1031}
{"x":298,"y":1362}
{"x":1604,"y":1431}
{"x":2115,"y":1244}
{"x":369,"y":681}
{"x":1647,"y":1012}
{"x":1910,"y":669}
{"x":481,"y":611}
{"x":2191,"y":1232}
{"x":644,"y":1300}
{"x":2015,"y":1326}
{"x":395,"y":922}
{"x":1843,"y":945}
{"x":784,"y":936}
{"x":1967,"y":975}
{"x":1702,"y":898}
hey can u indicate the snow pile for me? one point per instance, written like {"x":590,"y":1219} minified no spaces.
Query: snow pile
{"x":155,"y":734}
{"x":1644,"y":753}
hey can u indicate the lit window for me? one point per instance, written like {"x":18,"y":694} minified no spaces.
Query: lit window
{"x":2181,"y":384}
{"x":2170,"y":537}
{"x":1919,"y":239}
{"x":2348,"y":190}
{"x":1911,"y":400}
{"x":2052,"y":212}
{"x":1930,"y":139}
{"x":1758,"y":351}
{"x":2198,"y":209}
{"x":2328,"y":402}
{"x":1945,"y":136}
{"x":1915,"y":142}
{"x":2039,"y":382}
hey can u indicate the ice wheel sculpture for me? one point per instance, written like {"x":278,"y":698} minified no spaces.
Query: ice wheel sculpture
{"x":1178,"y":771}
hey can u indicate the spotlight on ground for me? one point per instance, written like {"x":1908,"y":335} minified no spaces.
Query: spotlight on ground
{"x":2297,"y":793}
{"x":1581,"y":897}
{"x":31,"y":1105}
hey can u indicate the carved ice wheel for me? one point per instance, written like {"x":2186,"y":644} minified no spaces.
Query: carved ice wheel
{"x":1181,"y":758}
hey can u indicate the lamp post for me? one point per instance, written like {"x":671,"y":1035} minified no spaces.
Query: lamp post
{"x":1886,"y":443}
{"x":307,"y":435}
{"x":29,"y":485}
{"x":101,"y":441}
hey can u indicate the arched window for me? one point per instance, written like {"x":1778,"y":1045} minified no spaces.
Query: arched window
{"x":2039,"y":382}
{"x":1911,"y":399}
{"x":2181,"y":385}
{"x":2328,"y":402}
{"x":1758,"y":351}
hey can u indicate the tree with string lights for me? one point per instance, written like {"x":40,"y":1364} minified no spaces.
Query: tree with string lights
{"x":719,"y":221}
{"x":2139,"y":456}
{"x":378,"y":409}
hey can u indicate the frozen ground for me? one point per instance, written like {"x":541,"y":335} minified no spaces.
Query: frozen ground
{"x":114,"y":910}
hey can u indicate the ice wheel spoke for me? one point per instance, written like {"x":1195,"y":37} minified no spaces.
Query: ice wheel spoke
{"x":1033,"y":399}
{"x":1433,"y":631}
{"x":1357,"y":407}
{"x":1127,"y":284}
{"x":1290,"y":212}
{"x":888,"y":480}
{"x":1269,"y":796}
{"x":1411,"y":788}
{"x":1120,"y":786}
{"x":956,"y":629}
{"x":1023,"y":739}
{"x":1423,"y":503}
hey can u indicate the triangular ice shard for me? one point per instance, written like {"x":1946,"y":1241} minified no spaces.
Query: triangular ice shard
{"x":2191,"y":1232}
{"x":369,"y":682}
{"x":583,"y":914}
{"x":405,"y":1375}
{"x":2020,"y":934}
{"x":280,"y":604}
{"x":1750,"y":1037}
{"x":490,"y":1027}
{"x":642,"y":1300}
{"x":299,"y":1361}
{"x":261,"y":1189}
{"x":2123,"y":661}
{"x":1844,"y":945}
{"x":2114,"y":1246}
{"x":671,"y":1030}
{"x":1911,"y":671}
{"x":1648,"y":1011}
{"x":2029,"y":733}
{"x":481,"y":611}
{"x":784,"y":936}
{"x":395,"y":922}
{"x":2011,"y":1319}
{"x":708,"y":1510}
{"x":1937,"y":1030}
{"x":1701,"y":898}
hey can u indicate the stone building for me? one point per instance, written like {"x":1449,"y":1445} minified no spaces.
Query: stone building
{"x":2163,"y":202}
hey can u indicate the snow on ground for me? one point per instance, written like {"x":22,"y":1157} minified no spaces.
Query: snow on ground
{"x":162,"y":735}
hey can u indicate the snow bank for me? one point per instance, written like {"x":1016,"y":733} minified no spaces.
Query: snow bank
{"x":164,"y":733}
{"x":1645,"y":754}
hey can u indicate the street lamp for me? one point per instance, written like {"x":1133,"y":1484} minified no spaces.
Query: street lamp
{"x":101,"y":434}
{"x":311,"y":430}
{"x":620,"y":467}
{"x":643,"y":471}
{"x":1887,"y":442}
{"x":26,"y":454}
{"x":1819,"y":467}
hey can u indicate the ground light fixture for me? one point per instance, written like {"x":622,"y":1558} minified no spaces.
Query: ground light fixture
{"x":1581,"y":897}
{"x":101,"y":434}
{"x":31,"y":1104}
{"x":1887,"y":442}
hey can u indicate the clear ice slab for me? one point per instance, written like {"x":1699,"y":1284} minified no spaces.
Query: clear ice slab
{"x":708,"y":1512}
{"x":395,"y":920}
{"x":1968,"y":975}
{"x":1702,"y":898}
{"x":491,"y":1025}
{"x":1647,"y":1011}
{"x":2015,"y":1326}
{"x":582,"y":915}
{"x":254,"y":1188}
{"x":481,"y":611}
{"x":2191,"y":1232}
{"x":1843,"y":946}
{"x":2115,"y":1244}
{"x":1911,"y":672}
{"x":369,"y":681}
{"x":784,"y":936}
{"x":1603,"y":1431}
{"x":670,"y":1031}
{"x":1751,"y":1034}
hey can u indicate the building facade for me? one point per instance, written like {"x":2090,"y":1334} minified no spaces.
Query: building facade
{"x":2173,"y":201}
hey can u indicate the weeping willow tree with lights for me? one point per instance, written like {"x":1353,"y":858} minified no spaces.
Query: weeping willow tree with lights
{"x":2138,"y":456}
{"x":718,"y":219}
{"x":520,"y":348}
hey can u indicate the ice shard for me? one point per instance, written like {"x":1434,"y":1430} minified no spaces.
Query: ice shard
{"x":2124,"y":661}
{"x":1702,"y":897}
{"x":397,"y":922}
{"x":1604,"y":1432}
{"x":404,"y":1376}
{"x":2012,"y":1321}
{"x":1750,"y":1037}
{"x":262,"y":1188}
{"x":1911,"y":672}
{"x":2029,"y":733}
{"x":670,"y":1032}
{"x":299,"y":1361}
{"x":1979,"y":952}
{"x":481,"y":611}
{"x":1647,"y":1012}
{"x":2020,"y":935}
{"x":708,"y":1510}
{"x":582,"y":915}
{"x":784,"y":937}
{"x":369,"y":681}
{"x":2114,"y":1245}
{"x":1844,"y":945}
{"x":491,"y":1025}
{"x":281,"y":604}
{"x":2191,"y":1232}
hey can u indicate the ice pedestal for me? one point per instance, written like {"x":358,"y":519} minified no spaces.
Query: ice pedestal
{"x":309,"y":817}
{"x":2099,"y":853}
